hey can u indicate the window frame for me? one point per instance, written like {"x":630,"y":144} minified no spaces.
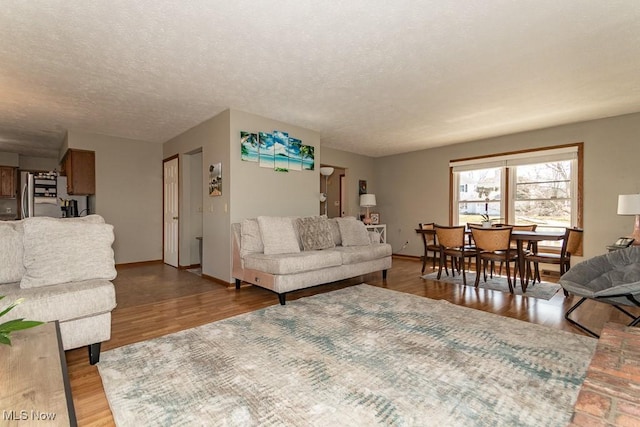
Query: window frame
{"x":508,"y":180}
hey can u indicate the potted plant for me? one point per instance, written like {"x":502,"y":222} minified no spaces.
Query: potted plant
{"x":486,"y":220}
{"x":14,"y":325}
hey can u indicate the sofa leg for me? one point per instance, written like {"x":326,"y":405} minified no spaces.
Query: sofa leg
{"x":384,"y":274}
{"x":282,"y":298}
{"x":238,"y":282}
{"x":94,"y":353}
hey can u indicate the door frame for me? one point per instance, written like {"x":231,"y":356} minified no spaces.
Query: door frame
{"x":168,"y":159}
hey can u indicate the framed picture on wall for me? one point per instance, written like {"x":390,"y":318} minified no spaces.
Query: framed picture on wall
{"x":215,"y":180}
{"x":375,"y":218}
{"x":362,"y":187}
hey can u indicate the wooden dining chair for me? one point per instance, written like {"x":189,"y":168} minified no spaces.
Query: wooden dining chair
{"x":451,"y":241}
{"x":571,"y":244}
{"x":430,"y":243}
{"x":532,"y":246}
{"x":494,"y":244}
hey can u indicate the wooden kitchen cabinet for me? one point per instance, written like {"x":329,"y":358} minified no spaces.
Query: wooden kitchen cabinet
{"x":79,"y":166}
{"x":8,"y":182}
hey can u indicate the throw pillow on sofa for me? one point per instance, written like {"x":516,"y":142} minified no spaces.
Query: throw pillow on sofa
{"x":278,"y":235}
{"x":250,"y":238}
{"x":60,"y":251}
{"x":314,"y":233}
{"x":353,"y":232}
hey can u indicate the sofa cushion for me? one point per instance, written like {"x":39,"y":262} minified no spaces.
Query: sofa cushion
{"x":11,"y":252}
{"x":314,"y":233}
{"x":356,"y":254}
{"x":59,"y":251}
{"x":250,"y":238}
{"x":278,"y":235}
{"x":293,"y":263}
{"x":353,"y":232}
{"x":61,"y":302}
{"x":335,"y":231}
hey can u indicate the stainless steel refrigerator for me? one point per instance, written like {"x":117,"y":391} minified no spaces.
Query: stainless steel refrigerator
{"x":44,"y":193}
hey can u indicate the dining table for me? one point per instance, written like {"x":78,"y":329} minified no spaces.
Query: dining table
{"x":519,"y":237}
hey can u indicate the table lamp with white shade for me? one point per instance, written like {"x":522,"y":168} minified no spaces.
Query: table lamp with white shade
{"x":629,"y":204}
{"x":367,"y":201}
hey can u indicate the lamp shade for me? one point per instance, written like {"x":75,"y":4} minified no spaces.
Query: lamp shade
{"x":326,"y":171}
{"x":629,"y":204}
{"x":367,"y":200}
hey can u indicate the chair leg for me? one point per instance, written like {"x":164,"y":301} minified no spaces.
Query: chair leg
{"x":440,"y":266}
{"x":424,"y":262}
{"x":576,"y":324}
{"x":509,"y":278}
{"x":464,"y":274}
{"x":477,"y":282}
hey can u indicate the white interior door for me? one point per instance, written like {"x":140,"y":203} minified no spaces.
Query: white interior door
{"x":171,"y":217}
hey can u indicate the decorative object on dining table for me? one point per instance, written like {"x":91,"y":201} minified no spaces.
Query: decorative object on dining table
{"x":368,"y":201}
{"x":485,"y":220}
{"x":14,"y":325}
{"x":629,"y":204}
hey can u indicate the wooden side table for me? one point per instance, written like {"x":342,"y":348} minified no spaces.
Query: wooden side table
{"x":35,"y":383}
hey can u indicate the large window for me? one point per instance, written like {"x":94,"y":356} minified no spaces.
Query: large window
{"x":534,"y":187}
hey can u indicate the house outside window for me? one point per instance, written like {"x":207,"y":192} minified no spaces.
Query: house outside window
{"x":533,"y":187}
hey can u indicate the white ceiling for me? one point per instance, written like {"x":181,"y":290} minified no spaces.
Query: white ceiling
{"x":372,"y":76}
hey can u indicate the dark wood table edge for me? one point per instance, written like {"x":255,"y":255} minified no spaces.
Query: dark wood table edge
{"x":73,"y":422}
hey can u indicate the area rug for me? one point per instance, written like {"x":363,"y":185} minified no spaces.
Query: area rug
{"x":359,"y":356}
{"x":542,"y":290}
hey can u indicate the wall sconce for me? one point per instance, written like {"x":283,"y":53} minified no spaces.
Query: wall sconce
{"x":325,"y":171}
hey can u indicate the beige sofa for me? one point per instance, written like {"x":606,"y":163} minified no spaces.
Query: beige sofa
{"x":62,"y":269}
{"x":284,"y":254}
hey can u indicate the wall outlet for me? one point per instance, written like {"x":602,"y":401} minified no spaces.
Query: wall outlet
{"x":8,"y":210}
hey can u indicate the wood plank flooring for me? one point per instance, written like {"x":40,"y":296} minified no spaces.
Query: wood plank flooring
{"x":155,"y":300}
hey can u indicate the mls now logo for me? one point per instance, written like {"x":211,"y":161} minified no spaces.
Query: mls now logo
{"x":28,"y":415}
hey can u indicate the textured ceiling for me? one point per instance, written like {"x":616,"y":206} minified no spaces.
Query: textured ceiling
{"x":373,"y":77}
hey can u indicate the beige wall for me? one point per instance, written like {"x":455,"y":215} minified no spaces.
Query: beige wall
{"x":356,"y":167}
{"x":128,"y":192}
{"x":414,"y":187}
{"x":247,"y":189}
{"x":262,"y":191}
{"x":212,"y":139}
{"x":38,"y":163}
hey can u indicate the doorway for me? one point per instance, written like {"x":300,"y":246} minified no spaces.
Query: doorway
{"x":170,"y":216}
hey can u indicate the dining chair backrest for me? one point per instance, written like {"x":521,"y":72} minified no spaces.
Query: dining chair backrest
{"x":492,"y":239}
{"x":572,"y":242}
{"x":428,"y":239}
{"x":450,"y":237}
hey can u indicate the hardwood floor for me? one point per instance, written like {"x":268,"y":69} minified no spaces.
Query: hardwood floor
{"x":155,"y":300}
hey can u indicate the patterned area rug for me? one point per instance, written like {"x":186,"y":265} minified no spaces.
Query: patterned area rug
{"x":359,"y":356}
{"x":542,"y":290}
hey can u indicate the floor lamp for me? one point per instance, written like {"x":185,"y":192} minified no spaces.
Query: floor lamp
{"x":325,"y":171}
{"x":629,"y":204}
